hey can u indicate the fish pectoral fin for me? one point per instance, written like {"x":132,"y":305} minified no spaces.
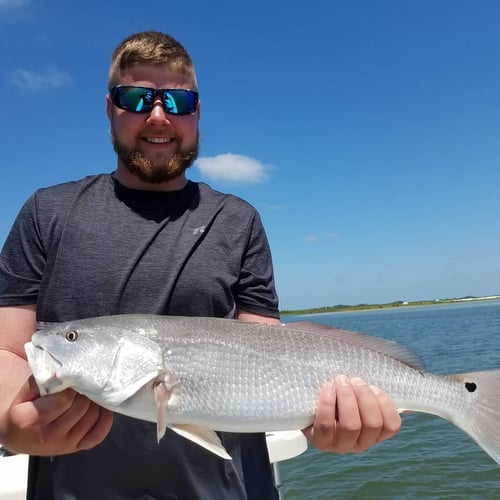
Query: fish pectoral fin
{"x":161,"y":395}
{"x":206,"y":438}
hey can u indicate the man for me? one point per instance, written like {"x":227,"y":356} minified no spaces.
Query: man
{"x":145,"y":239}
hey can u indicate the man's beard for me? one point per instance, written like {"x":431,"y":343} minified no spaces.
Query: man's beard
{"x":144,"y":169}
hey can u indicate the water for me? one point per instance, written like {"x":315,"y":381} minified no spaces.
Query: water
{"x":429,"y":458}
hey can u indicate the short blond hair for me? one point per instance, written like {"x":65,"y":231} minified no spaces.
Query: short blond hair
{"x":154,"y":49}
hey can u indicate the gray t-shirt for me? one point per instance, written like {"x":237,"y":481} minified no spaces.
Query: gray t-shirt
{"x":93,"y":247}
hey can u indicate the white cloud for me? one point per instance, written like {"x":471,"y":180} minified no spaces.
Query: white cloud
{"x":14,"y":4}
{"x":313,"y":238}
{"x":232,"y":168}
{"x":37,"y":81}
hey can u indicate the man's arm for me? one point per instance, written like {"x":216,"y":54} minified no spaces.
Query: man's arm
{"x":16,"y":327}
{"x":256,"y":318}
{"x":50,"y":425}
{"x":351,"y":416}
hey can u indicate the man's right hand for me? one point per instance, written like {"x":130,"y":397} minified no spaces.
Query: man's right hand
{"x":56,"y":424}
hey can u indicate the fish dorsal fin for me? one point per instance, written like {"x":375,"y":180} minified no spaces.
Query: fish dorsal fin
{"x":388,"y":347}
{"x":206,"y":438}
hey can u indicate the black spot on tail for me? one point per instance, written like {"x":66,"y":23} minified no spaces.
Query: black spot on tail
{"x":470,"y":386}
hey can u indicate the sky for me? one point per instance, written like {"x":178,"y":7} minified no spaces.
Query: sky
{"x":365,"y":132}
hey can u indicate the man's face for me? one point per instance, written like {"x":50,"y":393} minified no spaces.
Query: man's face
{"x":154,"y":148}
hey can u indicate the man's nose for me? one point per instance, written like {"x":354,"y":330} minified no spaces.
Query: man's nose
{"x":158,"y":114}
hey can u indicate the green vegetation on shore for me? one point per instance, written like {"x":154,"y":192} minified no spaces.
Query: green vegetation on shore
{"x":399,"y":303}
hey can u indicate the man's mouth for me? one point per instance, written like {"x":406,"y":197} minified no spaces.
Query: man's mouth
{"x":159,"y":140}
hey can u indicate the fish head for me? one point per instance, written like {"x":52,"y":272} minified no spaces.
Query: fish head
{"x":107,"y":363}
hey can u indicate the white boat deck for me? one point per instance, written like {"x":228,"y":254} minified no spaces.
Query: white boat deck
{"x":13,"y":471}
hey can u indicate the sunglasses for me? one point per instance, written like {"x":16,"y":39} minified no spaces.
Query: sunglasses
{"x":142,"y":99}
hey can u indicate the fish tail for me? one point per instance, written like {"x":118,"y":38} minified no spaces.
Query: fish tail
{"x":482,"y":417}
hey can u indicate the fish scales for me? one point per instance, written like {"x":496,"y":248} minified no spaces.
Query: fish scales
{"x":265,"y":376}
{"x":274,"y":370}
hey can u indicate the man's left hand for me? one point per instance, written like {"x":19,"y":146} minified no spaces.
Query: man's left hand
{"x":352,"y":416}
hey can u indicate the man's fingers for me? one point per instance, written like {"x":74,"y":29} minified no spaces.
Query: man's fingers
{"x":370,"y":415}
{"x":95,"y":428}
{"x":390,"y":415}
{"x":324,"y":425}
{"x":322,"y":431}
{"x":349,"y":420}
{"x":28,"y":392}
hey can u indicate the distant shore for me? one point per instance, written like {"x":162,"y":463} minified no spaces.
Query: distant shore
{"x":399,"y":303}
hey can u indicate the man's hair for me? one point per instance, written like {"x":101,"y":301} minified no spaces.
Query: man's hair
{"x":150,"y":48}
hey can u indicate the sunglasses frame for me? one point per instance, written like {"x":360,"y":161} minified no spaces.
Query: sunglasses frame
{"x":114,"y":92}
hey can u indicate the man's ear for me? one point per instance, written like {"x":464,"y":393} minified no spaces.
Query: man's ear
{"x":109,"y":106}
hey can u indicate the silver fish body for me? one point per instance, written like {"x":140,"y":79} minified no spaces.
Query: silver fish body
{"x":197,"y":375}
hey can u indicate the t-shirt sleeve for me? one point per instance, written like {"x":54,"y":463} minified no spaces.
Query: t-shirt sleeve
{"x":22,"y":259}
{"x":256,"y":291}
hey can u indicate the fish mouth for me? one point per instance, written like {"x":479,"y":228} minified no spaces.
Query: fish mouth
{"x":45,"y":368}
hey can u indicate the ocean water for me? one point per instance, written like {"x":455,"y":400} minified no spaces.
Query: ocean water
{"x":430,"y":457}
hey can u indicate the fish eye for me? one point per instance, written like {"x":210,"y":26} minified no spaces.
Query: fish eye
{"x":71,"y":335}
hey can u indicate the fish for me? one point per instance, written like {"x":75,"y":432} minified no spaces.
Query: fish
{"x":198,"y":375}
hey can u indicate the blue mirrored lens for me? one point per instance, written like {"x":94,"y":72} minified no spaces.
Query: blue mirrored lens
{"x":136,"y":99}
{"x":179,"y":101}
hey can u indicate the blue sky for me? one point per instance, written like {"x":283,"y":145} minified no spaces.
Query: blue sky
{"x":366,"y":132}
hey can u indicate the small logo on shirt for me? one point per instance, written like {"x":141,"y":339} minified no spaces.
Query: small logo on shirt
{"x":199,"y":230}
